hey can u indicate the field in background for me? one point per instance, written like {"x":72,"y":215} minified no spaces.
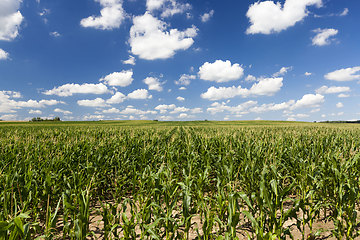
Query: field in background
{"x":179,"y":180}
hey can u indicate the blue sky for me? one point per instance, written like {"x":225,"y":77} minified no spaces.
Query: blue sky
{"x":180,"y":60}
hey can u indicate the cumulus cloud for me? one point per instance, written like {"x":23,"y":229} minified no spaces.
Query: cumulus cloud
{"x":269,"y":17}
{"x":206,"y":16}
{"x":8,"y":103}
{"x":242,"y":108}
{"x":307,"y":73}
{"x":130,"y":61}
{"x":8,"y":117}
{"x":250,"y":78}
{"x":65,"y":112}
{"x":185,"y":79}
{"x":3,"y":55}
{"x":10,"y":19}
{"x":111,"y":110}
{"x":37,"y":104}
{"x":323,"y":36}
{"x":121,"y":79}
{"x":139,"y":94}
{"x":344,"y":13}
{"x":118,"y":97}
{"x":181,"y":99}
{"x":168,"y":8}
{"x":220,"y":71}
{"x":339,"y":105}
{"x":93,"y":117}
{"x":98,"y":102}
{"x":32,"y":111}
{"x":163,"y":108}
{"x":130,"y":110}
{"x":282,"y":71}
{"x":345,"y":74}
{"x":72,"y":88}
{"x":309,"y":101}
{"x":272,"y":107}
{"x":153,"y":84}
{"x":342,"y":95}
{"x":265,"y":87}
{"x":150,"y":38}
{"x":330,"y":90}
{"x":55,"y":34}
{"x":111,"y":16}
{"x":180,"y":110}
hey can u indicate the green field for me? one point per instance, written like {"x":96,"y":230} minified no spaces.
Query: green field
{"x":179,"y":180}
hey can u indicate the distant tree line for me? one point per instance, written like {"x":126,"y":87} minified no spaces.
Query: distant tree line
{"x":356,"y":121}
{"x":39,"y":119}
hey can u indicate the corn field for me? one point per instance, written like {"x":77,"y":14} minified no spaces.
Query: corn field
{"x":179,"y":182}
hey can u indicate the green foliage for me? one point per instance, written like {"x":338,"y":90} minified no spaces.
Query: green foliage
{"x":168,"y":180}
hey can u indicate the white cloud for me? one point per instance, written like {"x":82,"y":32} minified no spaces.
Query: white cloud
{"x":345,"y":74}
{"x":153,"y":84}
{"x":111,"y":16}
{"x":250,"y":78}
{"x":196,"y":110}
{"x":206,"y":16}
{"x":94,"y":117}
{"x":111,"y":110}
{"x":55,"y":34}
{"x":118,"y":97}
{"x":10,"y":19}
{"x":268,"y":17}
{"x":217,"y":107}
{"x":121,"y":79}
{"x":308,"y":101}
{"x":8,"y":104}
{"x":272,"y":107}
{"x":220,"y":71}
{"x":130,"y":61}
{"x":282,"y":71}
{"x":180,"y":110}
{"x":8,"y":117}
{"x":98,"y":102}
{"x":152,"y":5}
{"x":65,"y":112}
{"x":71,"y":88}
{"x":37,"y":104}
{"x":130,"y":110}
{"x":308,"y":73}
{"x":168,"y":7}
{"x":182,"y":88}
{"x":139,"y":94}
{"x":330,"y":90}
{"x":183,"y":115}
{"x":3,"y":55}
{"x":299,"y":115}
{"x":35,"y":111}
{"x":265,"y":87}
{"x":323,"y":36}
{"x":150,"y":39}
{"x":164,"y":108}
{"x":185,"y":79}
{"x":339,"y":105}
{"x":214,"y":93}
{"x":181,"y":99}
{"x":345,"y":12}
{"x":315,"y":110}
{"x":342,"y":95}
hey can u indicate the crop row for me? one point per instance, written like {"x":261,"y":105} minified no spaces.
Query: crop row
{"x":178,"y":182}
